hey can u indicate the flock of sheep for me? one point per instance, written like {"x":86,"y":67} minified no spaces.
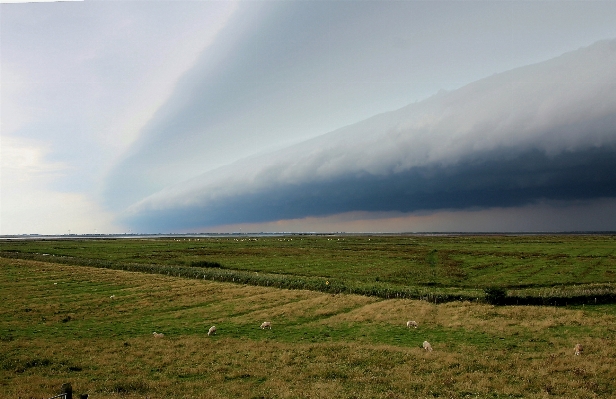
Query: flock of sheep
{"x":264,"y":325}
{"x":411,"y":323}
{"x":212,"y":330}
{"x":426,"y":344}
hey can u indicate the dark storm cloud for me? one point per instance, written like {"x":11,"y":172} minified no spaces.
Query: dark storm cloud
{"x":493,"y":180}
{"x":282,"y":72}
{"x":542,"y":132}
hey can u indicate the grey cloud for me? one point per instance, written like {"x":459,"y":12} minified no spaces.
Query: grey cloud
{"x":545,"y":131}
{"x":477,"y":183}
{"x":293,"y":70}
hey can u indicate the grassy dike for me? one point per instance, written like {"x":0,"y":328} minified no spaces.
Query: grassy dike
{"x":557,"y":270}
{"x":203,"y":270}
{"x":58,"y":323}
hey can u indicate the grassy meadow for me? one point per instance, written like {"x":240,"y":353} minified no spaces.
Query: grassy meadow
{"x":59,"y":322}
{"x":532,"y":268}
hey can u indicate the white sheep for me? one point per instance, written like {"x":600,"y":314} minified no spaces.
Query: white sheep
{"x":112,"y":297}
{"x":212,"y":330}
{"x":158,"y":335}
{"x":578,"y":349}
{"x":266,"y":324}
{"x":411,"y":323}
{"x":427,"y":346}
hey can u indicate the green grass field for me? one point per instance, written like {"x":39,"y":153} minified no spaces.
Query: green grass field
{"x":458,"y":266}
{"x":58,"y":322}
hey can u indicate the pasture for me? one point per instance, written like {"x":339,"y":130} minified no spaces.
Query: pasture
{"x":535,"y":269}
{"x":59,"y":322}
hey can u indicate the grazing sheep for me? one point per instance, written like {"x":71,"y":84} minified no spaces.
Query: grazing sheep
{"x":212,"y":330}
{"x":112,"y":297}
{"x":578,"y":349}
{"x":266,"y":324}
{"x":158,"y":335}
{"x":411,"y":323}
{"x":427,"y":346}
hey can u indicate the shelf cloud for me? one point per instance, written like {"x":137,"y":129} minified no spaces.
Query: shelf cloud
{"x":541,"y":132}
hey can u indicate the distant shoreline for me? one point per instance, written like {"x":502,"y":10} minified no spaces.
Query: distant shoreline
{"x":282,"y":233}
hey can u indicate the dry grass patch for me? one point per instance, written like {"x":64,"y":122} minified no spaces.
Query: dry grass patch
{"x":391,"y":311}
{"x":316,"y":306}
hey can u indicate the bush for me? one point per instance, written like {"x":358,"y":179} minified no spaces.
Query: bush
{"x":495,"y":295}
{"x":205,"y":263}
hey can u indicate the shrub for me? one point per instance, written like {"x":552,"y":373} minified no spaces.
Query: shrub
{"x":495,"y":295}
{"x":205,"y":263}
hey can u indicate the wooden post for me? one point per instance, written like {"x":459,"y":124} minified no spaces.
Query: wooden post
{"x":67,"y":390}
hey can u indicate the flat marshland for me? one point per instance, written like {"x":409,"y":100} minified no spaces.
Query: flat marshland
{"x":69,"y":314}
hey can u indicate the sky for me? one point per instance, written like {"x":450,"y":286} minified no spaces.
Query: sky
{"x":407,"y":116}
